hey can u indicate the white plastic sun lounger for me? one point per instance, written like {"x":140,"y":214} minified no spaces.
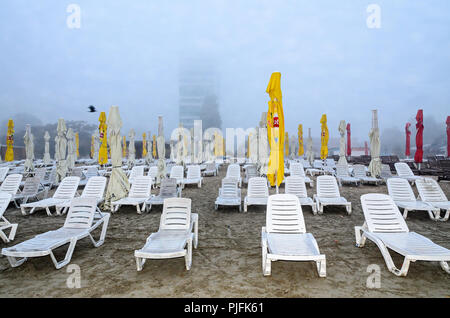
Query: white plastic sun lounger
{"x":3,"y":173}
{"x":64,"y":193}
{"x":257,"y":193}
{"x":250,"y":172}
{"x":193,"y":176}
{"x":140,"y":193}
{"x":90,"y":172}
{"x":386,"y":173}
{"x":328,"y":194}
{"x":210,"y":169}
{"x":11,"y":184}
{"x":359,"y":172}
{"x":78,"y":225}
{"x":386,"y":227}
{"x":178,"y":232}
{"x":343,"y":177}
{"x":234,"y":171}
{"x":296,"y":169}
{"x":296,"y":185}
{"x":153,"y":172}
{"x":5,"y":198}
{"x":32,"y":188}
{"x":430,"y":192}
{"x":136,"y":171}
{"x":177,"y":173}
{"x":229,"y":194}
{"x":285,"y":237}
{"x":404,"y":171}
{"x":403,"y":196}
{"x":168,"y":189}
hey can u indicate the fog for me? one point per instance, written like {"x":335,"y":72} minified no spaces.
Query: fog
{"x":129,"y":53}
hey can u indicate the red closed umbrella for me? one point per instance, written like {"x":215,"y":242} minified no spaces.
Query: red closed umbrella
{"x":419,"y":137}
{"x":349,"y":141}
{"x":408,"y":140}
{"x":366,"y":148}
{"x":448,"y":136}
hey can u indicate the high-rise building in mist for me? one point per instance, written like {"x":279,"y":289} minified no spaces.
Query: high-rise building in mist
{"x":197,"y":80}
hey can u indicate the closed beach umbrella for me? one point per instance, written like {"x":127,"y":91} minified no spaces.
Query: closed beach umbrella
{"x":349,"y":140}
{"x":324,"y":138}
{"x":154,"y":147}
{"x":103,"y":151}
{"x":29,"y":149}
{"x":161,"y":145}
{"x":374,"y":135}
{"x":47,"y":159}
{"x":149,"y":157}
{"x":301,"y":149}
{"x":408,"y":140}
{"x":9,"y":155}
{"x":144,"y":145}
{"x":342,"y":127}
{"x":71,"y":149}
{"x":309,"y":148}
{"x":131,"y":148}
{"x":275,"y":130}
{"x":118,"y":185}
{"x":77,"y":142}
{"x":96,"y":145}
{"x":448,"y":136}
{"x":61,"y":150}
{"x":419,"y":137}
{"x":124,"y":147}
{"x":92,"y":147}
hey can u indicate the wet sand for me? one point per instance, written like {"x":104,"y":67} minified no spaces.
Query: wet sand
{"x":227,"y":262}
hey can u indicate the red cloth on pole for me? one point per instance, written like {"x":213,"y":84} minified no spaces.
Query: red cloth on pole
{"x":366,"y":148}
{"x":408,"y":140}
{"x":448,"y":136}
{"x":349,"y":141}
{"x":419,"y":137}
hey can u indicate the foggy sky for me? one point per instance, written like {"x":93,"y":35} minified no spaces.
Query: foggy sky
{"x":127,"y":53}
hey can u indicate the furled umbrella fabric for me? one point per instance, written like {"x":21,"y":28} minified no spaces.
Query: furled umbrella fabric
{"x":324,"y":136}
{"x":97,"y":141}
{"x":253,"y":147}
{"x":301,"y":149}
{"x":28,"y":141}
{"x":448,"y":136}
{"x":92,"y":147}
{"x":408,"y":140}
{"x":342,"y":127}
{"x":309,"y":148}
{"x":71,"y":149}
{"x":124,"y":147}
{"x":161,"y":144}
{"x":47,"y":160}
{"x":154,"y":147}
{"x":118,"y":185}
{"x":61,"y":150}
{"x":9,"y":155}
{"x":103,"y":151}
{"x":149,"y":157}
{"x":131,"y":149}
{"x":144,"y":145}
{"x":418,"y":157}
{"x":275,"y":130}
{"x":374,"y":135}
{"x":77,"y":143}
{"x":349,"y":140}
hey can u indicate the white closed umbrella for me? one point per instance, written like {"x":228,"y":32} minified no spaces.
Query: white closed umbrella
{"x":71,"y":148}
{"x":172,"y":151}
{"x":47,"y":160}
{"x":118,"y":186}
{"x":149,"y":156}
{"x":342,"y":130}
{"x":263,"y":145}
{"x":96,"y":135}
{"x":309,"y":148}
{"x":161,"y":148}
{"x":253,"y":147}
{"x":61,"y":150}
{"x":29,"y":149}
{"x":131,"y":149}
{"x":374,"y":135}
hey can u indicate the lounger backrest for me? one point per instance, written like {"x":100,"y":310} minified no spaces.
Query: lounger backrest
{"x":81,"y":213}
{"x":382,"y":214}
{"x":327,"y":187}
{"x":136,"y":172}
{"x":153,"y":171}
{"x":91,"y":172}
{"x":296,"y":169}
{"x":229,"y":188}
{"x":430,"y":191}
{"x":318,"y":164}
{"x":403,"y":170}
{"x":233,"y":171}
{"x":257,"y":188}
{"x":330,"y":163}
{"x":168,"y":188}
{"x":11,"y":184}
{"x":5,"y":198}
{"x":305,"y":163}
{"x":31,"y":186}
{"x":211,"y":167}
{"x":176,"y":214}
{"x":67,"y":188}
{"x":177,"y":172}
{"x":77,"y":172}
{"x":40,"y":173}
{"x":50,"y":177}
{"x":342,"y":171}
{"x":385,"y":171}
{"x":193,"y":172}
{"x":296,"y":185}
{"x":284,"y":214}
{"x":251,"y":171}
{"x":400,"y":190}
{"x":359,"y":171}
{"x":95,"y":188}
{"x":141,"y":187}
{"x":219,"y":160}
{"x":3,"y":173}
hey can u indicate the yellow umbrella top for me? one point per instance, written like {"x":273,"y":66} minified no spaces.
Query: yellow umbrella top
{"x":324,"y":138}
{"x":103,"y":151}
{"x":154,"y":146}
{"x":144,"y":145}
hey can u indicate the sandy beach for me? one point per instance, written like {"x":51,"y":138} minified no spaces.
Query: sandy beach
{"x":227,"y":262}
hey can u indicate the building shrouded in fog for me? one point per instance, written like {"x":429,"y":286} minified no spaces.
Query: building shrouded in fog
{"x":197,"y":80}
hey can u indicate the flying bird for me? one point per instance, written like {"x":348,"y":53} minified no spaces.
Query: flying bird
{"x":92,"y":109}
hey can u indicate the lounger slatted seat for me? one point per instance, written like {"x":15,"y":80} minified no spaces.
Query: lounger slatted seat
{"x":193,"y":176}
{"x":5,"y":198}
{"x":50,"y":178}
{"x":359,"y":172}
{"x":140,"y":193}
{"x":343,"y":176}
{"x":11,"y":184}
{"x":404,"y":171}
{"x":177,"y":234}
{"x":229,"y":194}
{"x":257,"y":193}
{"x":153,"y":173}
{"x":78,"y":225}
{"x":403,"y":196}
{"x":328,"y":194}
{"x":431,"y":193}
{"x":296,"y":185}
{"x":64,"y":193}
{"x":234,"y":171}
{"x":386,"y":227}
{"x":284,"y":237}
{"x":296,"y":169}
{"x":177,"y":173}
{"x":168,"y":189}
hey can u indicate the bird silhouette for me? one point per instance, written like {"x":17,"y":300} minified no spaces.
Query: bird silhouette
{"x":92,"y":109}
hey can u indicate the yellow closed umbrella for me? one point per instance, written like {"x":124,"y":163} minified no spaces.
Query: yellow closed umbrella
{"x":9,"y":156}
{"x":144,"y":145}
{"x":275,"y":131}
{"x":124,"y":147}
{"x":301,"y":150}
{"x":77,"y":143}
{"x":248,"y":147}
{"x":154,"y":146}
{"x":92,"y":146}
{"x":103,"y":152}
{"x":324,"y":138}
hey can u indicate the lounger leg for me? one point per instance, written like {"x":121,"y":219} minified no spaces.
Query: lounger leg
{"x":22,"y":209}
{"x":322,"y":267}
{"x":405,"y":213}
{"x":14,"y":262}
{"x":47,"y":209}
{"x":314,"y":208}
{"x":445,"y":266}
{"x":446,"y":216}
{"x":245,"y":206}
{"x":188,"y":257}
{"x":105,"y":221}
{"x":240,"y":207}
{"x":360,"y":238}
{"x":138,"y":209}
{"x":12,"y":232}
{"x":216,"y":207}
{"x":349,"y":208}
{"x":390,"y":263}
{"x":140,"y":263}
{"x":68,"y":256}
